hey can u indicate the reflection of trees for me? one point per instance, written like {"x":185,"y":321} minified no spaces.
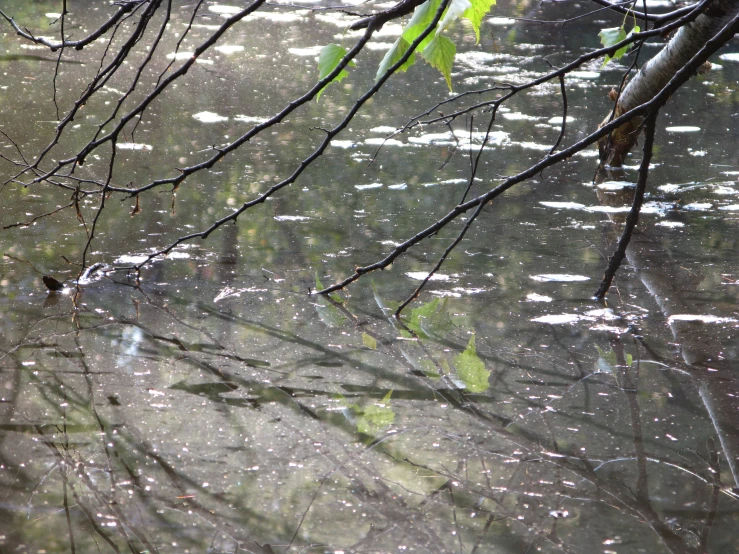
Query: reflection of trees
{"x":706,"y":348}
{"x":96,"y":165}
{"x":242,"y":439}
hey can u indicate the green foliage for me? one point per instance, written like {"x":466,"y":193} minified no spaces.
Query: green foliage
{"x":422,"y":17}
{"x":393,"y":56}
{"x":471,"y":369}
{"x":376,"y":417}
{"x":330,"y":56}
{"x":475,"y":13}
{"x":440,"y":54}
{"x":614,"y":35}
{"x":369,"y":341}
{"x":436,"y":49}
{"x":431,"y":319}
{"x":454,"y":11}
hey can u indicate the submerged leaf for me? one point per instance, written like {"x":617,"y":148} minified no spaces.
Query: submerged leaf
{"x":369,"y":341}
{"x":329,"y":314}
{"x":376,"y":416}
{"x":606,"y":360}
{"x":471,"y":369}
{"x":431,"y":319}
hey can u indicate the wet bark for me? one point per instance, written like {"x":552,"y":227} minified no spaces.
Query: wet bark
{"x":657,"y":72}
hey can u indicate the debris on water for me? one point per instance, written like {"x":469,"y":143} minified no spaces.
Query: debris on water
{"x":52,"y":284}
{"x":560,"y":277}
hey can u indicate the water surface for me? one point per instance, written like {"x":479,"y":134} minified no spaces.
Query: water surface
{"x":217,"y":406}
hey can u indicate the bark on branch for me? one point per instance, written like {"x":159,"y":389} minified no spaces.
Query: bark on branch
{"x":658,"y":71}
{"x":379,"y":19}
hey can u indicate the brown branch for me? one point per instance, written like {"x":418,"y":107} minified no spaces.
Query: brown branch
{"x":633,"y":217}
{"x":658,"y":20}
{"x":379,"y":19}
{"x":126,"y":7}
{"x":330,"y":134}
{"x":35,"y":219}
{"x":562,"y":129}
{"x":648,"y":108}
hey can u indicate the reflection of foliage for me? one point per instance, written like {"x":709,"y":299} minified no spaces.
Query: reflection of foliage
{"x":607,"y":361}
{"x":375,"y":417}
{"x":471,"y":369}
{"x":431,"y":319}
{"x":222,"y":447}
{"x":369,"y":341}
{"x":372,"y":418}
{"x":329,"y":314}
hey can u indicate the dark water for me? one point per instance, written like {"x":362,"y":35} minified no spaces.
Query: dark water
{"x":217,"y":407}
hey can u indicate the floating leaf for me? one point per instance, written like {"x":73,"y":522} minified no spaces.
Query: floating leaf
{"x":471,"y":369}
{"x":440,"y":54}
{"x":330,"y":57}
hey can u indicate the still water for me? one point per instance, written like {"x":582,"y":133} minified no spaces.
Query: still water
{"x":217,"y":406}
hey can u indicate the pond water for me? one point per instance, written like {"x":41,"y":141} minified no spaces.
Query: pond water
{"x":216,"y":406}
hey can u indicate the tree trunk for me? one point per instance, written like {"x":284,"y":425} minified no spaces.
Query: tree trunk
{"x":657,"y":72}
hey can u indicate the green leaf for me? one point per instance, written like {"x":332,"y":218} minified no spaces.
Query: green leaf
{"x":454,"y":11}
{"x":328,"y":59}
{"x":476,"y":12}
{"x":369,"y":341}
{"x":471,"y":369}
{"x":422,"y":17}
{"x":614,"y":35}
{"x":393,"y":55}
{"x":376,"y":417}
{"x":431,"y":319}
{"x":606,"y":360}
{"x":440,"y":54}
